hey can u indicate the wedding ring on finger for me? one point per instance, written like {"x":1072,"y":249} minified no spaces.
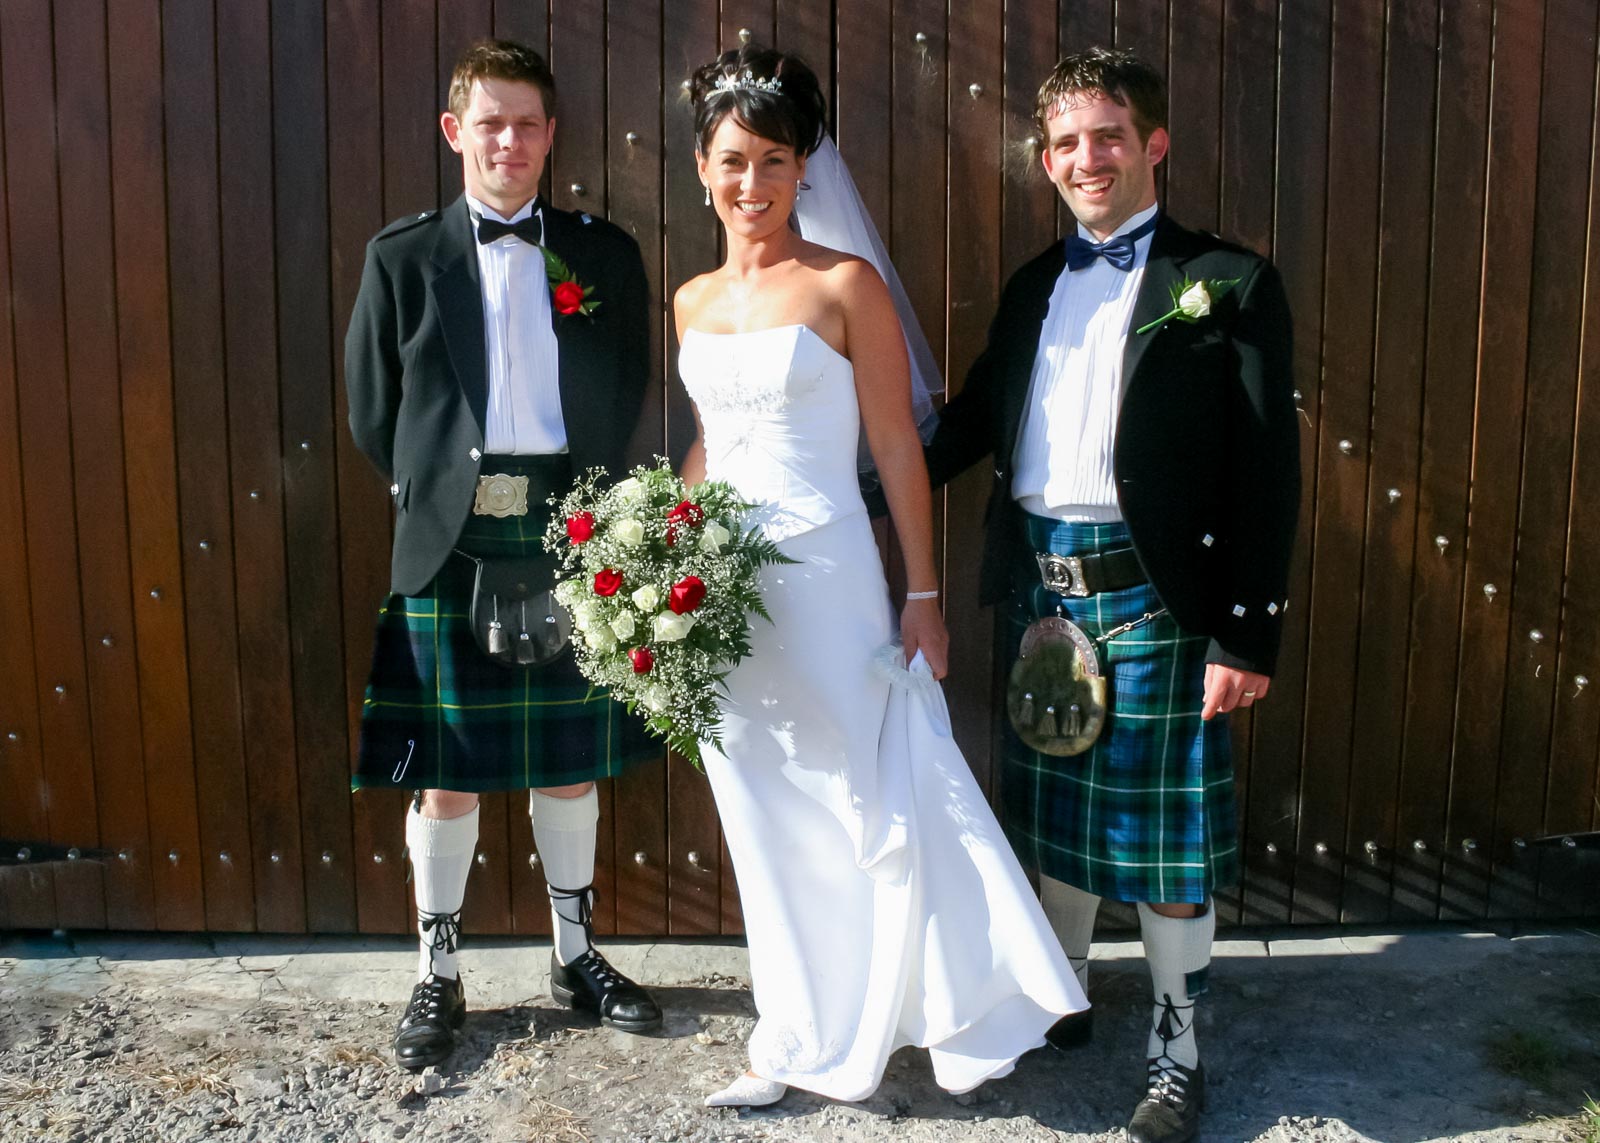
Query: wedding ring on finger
{"x":1249,"y":694}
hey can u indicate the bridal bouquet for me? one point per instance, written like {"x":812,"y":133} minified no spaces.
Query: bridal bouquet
{"x":660,"y":587}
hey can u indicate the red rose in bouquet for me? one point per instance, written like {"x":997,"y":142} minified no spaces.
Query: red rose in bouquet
{"x":686,"y":515}
{"x":642,"y":660}
{"x":580,"y":527}
{"x":686,"y":594}
{"x":606,"y":581}
{"x":568,"y":297}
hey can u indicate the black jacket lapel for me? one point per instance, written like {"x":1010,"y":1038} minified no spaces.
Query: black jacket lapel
{"x":458,"y":296}
{"x":1163,"y":267}
{"x":562,"y":238}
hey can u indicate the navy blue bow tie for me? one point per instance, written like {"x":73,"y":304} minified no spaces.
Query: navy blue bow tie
{"x":1118,"y":251}
{"x":530,"y":230}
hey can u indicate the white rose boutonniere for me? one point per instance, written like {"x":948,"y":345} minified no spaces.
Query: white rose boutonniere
{"x":1192,"y":301}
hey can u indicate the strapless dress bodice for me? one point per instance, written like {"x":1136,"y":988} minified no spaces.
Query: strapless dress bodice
{"x":780,"y":420}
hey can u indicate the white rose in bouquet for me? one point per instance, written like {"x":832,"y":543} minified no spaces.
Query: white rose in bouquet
{"x":646,"y":598}
{"x":629,"y":533}
{"x":669,"y":628}
{"x":599,"y":637}
{"x":586,"y":615}
{"x":623,"y":625}
{"x":657,"y":700}
{"x":629,"y":488}
{"x":713,"y":536}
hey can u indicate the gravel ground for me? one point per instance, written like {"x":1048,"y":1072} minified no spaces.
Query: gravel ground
{"x":1433,"y":1035}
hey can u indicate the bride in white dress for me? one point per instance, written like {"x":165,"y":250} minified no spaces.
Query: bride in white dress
{"x":882,"y":905}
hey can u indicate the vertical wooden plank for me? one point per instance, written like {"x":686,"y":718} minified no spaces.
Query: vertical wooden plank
{"x":1560,"y":226}
{"x":150,"y":461}
{"x":249,"y":310}
{"x":1245,"y":159}
{"x":1489,"y":646}
{"x":1403,"y":239}
{"x":27,"y":893}
{"x":1451,"y":351}
{"x":305,"y":352}
{"x":1571,"y":801}
{"x":1343,"y":454}
{"x":53,"y":547}
{"x":526,"y":21}
{"x":88,"y":266}
{"x":974,"y":162}
{"x":749,"y":21}
{"x":1194,"y":84}
{"x":408,"y":61}
{"x":1249,"y":100}
{"x":865,"y":87}
{"x":1299,"y":220}
{"x":194,"y":234}
{"x":805,"y":28}
{"x":355,"y":213}
{"x":918,"y":233}
{"x":1143,"y":27}
{"x":1027,"y":199}
{"x":502,"y":816}
{"x":697,"y":897}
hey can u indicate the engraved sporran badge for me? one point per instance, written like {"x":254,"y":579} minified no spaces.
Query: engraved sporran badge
{"x":1056,"y":696}
{"x":501,"y":495}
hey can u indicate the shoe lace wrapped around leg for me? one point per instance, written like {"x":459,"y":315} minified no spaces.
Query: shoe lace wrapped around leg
{"x":443,"y":931}
{"x":1169,"y":1080}
{"x":585,"y":898}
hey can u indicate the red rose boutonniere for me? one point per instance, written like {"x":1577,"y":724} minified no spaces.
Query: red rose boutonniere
{"x":567,"y":294}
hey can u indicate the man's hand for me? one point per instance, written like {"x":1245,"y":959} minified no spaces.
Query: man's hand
{"x":1228,"y":689}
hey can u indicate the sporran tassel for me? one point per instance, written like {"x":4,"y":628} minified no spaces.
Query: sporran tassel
{"x":1047,"y":724}
{"x":525,"y":648}
{"x":497,"y":632}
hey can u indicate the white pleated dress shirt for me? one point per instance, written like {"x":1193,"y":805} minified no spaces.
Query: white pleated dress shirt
{"x":1062,"y":462}
{"x":524,"y":411}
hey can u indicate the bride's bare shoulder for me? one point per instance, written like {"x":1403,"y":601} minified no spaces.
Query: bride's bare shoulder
{"x":691,"y":296}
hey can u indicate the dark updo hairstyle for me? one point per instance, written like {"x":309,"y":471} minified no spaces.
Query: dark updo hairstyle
{"x":793,"y":115}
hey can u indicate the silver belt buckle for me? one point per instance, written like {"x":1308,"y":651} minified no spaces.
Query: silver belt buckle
{"x":1062,"y":574}
{"x":501,"y":495}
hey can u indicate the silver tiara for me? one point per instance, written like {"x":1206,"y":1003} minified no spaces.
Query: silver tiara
{"x":746,"y":82}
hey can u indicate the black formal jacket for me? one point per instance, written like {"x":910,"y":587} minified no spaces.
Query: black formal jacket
{"x":418,"y":378}
{"x":1206,"y":458}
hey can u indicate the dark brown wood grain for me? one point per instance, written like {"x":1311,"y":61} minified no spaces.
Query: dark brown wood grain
{"x":1445,"y":457}
{"x":88,"y":272}
{"x":150,"y":461}
{"x":1411,"y":46}
{"x":1490,"y":647}
{"x":27,"y":893}
{"x":1555,"y":317}
{"x":54,"y":548}
{"x":1272,"y":800}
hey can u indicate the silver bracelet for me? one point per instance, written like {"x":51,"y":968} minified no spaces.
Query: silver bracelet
{"x":910,"y":595}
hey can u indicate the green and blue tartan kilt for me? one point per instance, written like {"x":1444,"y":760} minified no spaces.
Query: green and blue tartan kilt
{"x":439,"y":715}
{"x":1147,"y":813}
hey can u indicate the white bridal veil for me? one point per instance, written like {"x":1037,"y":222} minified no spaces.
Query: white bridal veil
{"x":830,"y":213}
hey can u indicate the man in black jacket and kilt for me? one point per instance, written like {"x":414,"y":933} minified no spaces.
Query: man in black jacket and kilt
{"x":498,"y":348}
{"x":1135,"y":395}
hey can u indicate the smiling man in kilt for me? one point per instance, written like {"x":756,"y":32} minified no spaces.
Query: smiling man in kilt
{"x":498,"y":348}
{"x":1135,"y":393}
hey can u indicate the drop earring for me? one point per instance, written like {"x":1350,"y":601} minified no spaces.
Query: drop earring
{"x":708,"y":194}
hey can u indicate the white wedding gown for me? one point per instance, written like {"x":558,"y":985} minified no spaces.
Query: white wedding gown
{"x":882,"y":904}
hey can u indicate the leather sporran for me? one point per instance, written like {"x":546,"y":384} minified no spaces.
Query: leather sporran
{"x":1056,"y":696}
{"x":515,"y":617}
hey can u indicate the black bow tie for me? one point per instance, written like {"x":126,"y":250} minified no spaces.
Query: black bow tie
{"x":1118,"y":251}
{"x":530,"y":230}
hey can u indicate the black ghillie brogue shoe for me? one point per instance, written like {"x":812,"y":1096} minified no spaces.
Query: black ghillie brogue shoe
{"x":589,"y":983}
{"x":1170,"y":1110}
{"x":426,"y":1034}
{"x":1074,"y":1030}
